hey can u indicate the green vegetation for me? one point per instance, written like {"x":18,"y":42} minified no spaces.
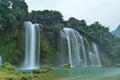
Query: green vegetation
{"x":8,"y":67}
{"x":9,"y":72}
{"x":12,"y":15}
{"x":66,"y":66}
{"x":42,"y":70}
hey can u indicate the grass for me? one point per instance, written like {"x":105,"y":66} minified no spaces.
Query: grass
{"x":5,"y":76}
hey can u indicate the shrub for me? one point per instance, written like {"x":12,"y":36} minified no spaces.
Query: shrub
{"x":26,"y":77}
{"x":9,"y":67}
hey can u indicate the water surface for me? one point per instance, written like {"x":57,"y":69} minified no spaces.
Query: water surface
{"x":88,"y":73}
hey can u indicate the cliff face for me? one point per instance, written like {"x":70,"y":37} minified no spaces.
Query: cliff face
{"x":116,"y":32}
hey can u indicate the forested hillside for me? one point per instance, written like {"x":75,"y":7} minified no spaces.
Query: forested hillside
{"x":116,"y":32}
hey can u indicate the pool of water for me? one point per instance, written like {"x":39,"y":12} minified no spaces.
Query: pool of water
{"x":88,"y":73}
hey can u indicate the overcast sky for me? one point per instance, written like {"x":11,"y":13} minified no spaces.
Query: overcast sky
{"x":107,"y":12}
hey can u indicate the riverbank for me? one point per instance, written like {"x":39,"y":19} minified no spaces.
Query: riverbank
{"x":9,"y":72}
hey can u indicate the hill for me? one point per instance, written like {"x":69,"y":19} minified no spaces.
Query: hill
{"x":116,"y":32}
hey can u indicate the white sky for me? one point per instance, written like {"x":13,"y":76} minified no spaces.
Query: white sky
{"x":107,"y":12}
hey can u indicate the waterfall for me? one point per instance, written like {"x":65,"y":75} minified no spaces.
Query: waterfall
{"x":84,"y":53}
{"x":72,"y":45}
{"x":94,"y":56}
{"x":74,"y":42}
{"x":0,"y":60}
{"x":32,"y":45}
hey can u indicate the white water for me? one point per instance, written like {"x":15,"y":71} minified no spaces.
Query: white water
{"x":84,"y":53}
{"x":96,"y":60}
{"x":94,"y":56}
{"x":78,"y":54}
{"x":32,"y":46}
{"x":73,"y":43}
{"x":0,"y":60}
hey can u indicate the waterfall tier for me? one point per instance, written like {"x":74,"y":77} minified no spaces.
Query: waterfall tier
{"x":32,"y":46}
{"x":0,"y":60}
{"x":76,"y":50}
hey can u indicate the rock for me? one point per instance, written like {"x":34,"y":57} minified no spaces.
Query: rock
{"x":42,"y":70}
{"x":66,"y":66}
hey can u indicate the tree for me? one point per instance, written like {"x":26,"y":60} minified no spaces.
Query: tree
{"x":46,"y":17}
{"x":79,"y":25}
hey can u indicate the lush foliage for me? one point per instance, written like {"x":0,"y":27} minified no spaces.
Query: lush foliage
{"x":12,"y":15}
{"x":108,"y":43}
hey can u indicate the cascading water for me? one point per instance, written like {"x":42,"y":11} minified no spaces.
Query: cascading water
{"x":32,"y":46}
{"x":72,"y":44}
{"x":94,"y":56}
{"x":84,"y":53}
{"x":0,"y":60}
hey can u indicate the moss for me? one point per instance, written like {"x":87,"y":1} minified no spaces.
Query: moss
{"x":26,"y":77}
{"x":46,"y":52}
{"x":117,"y":64}
{"x":10,"y":78}
{"x":35,"y":76}
{"x":48,"y":68}
{"x":66,"y":66}
{"x":42,"y":70}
